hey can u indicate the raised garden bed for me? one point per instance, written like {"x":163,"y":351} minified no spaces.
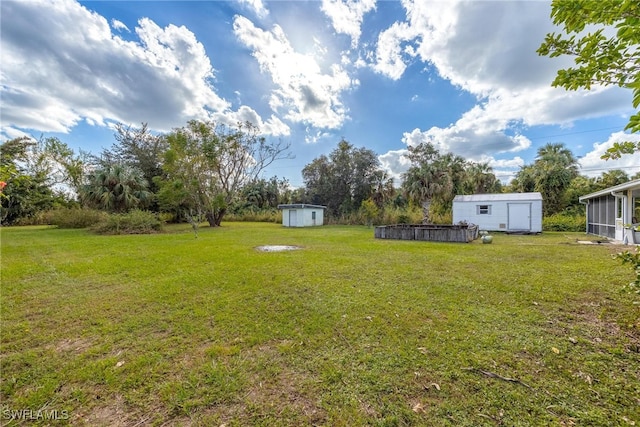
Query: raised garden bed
{"x":462,"y":233}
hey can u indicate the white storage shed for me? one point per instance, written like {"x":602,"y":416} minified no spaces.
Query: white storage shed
{"x":511,"y":212}
{"x":302,"y":215}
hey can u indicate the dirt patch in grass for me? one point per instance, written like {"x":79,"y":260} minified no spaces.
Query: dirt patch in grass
{"x":114,"y":414}
{"x":277,"y":248}
{"x":283,"y":392}
{"x":72,"y":345}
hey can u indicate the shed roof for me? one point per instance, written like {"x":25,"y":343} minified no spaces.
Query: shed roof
{"x":498,"y":197}
{"x":300,"y":206}
{"x":631,"y":185}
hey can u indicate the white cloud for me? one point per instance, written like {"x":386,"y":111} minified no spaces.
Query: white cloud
{"x":347,"y":16}
{"x":389,"y":51}
{"x":313,"y":136}
{"x":273,"y":126}
{"x":303,"y":90}
{"x":515,"y":163}
{"x":62,"y":64}
{"x":489,"y":50}
{"x":119,"y":25}
{"x":257,"y":6}
{"x":592,"y":165}
{"x":395,"y":163}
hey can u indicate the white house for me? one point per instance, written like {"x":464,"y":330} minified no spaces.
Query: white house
{"x":302,"y":215}
{"x":614,"y":212}
{"x":511,"y":212}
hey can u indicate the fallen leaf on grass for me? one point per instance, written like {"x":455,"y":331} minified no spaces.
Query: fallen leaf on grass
{"x":417,"y":408}
{"x":555,"y":350}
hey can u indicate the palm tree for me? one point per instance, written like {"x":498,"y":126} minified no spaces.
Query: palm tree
{"x":558,"y":154}
{"x":433,"y":178}
{"x":426,"y":183}
{"x":116,"y":188}
{"x":479,"y":178}
{"x":554,"y":169}
{"x":383,"y":189}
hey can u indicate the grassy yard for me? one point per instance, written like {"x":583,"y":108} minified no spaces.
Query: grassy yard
{"x":348,"y":331}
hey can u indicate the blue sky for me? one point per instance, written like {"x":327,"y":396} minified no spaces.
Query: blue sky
{"x":384,"y":75}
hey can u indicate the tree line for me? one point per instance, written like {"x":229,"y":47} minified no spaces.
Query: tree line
{"x":204,"y":171}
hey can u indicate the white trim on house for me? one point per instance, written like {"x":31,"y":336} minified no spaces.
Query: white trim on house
{"x":613,"y":212}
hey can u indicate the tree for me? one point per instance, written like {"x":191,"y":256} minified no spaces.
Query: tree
{"x":525,"y":180}
{"x":555,"y":168}
{"x":370,"y":211}
{"x":318,"y":180}
{"x":138,"y":148}
{"x":433,"y":179}
{"x":611,"y":178}
{"x":213,"y":163}
{"x":551,"y":174}
{"x":344,"y":179}
{"x":479,"y":179}
{"x":116,"y":188}
{"x":602,"y":57}
{"x":64,"y":170}
{"x":35,"y":173}
{"x":383,"y":189}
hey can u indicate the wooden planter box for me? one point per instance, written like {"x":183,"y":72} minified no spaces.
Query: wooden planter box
{"x":428,"y":232}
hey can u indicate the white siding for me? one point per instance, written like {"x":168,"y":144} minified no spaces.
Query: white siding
{"x":302,"y":217}
{"x":491,"y":211}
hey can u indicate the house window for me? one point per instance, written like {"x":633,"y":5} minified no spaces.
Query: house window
{"x":483,"y":209}
{"x":313,"y":215}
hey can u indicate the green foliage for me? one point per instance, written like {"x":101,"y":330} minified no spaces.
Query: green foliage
{"x":75,"y":217}
{"x":133,"y":222}
{"x":211,"y":163}
{"x":255,"y":215}
{"x":24,"y":197}
{"x":139,"y":149}
{"x":564,"y":222}
{"x":344,"y":179}
{"x":633,"y":259}
{"x":607,"y":55}
{"x":369,"y":211}
{"x":434,"y":179}
{"x":116,"y":188}
{"x":28,"y":167}
{"x":551,"y":174}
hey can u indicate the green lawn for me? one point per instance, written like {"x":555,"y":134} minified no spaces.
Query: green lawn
{"x":170,"y":330}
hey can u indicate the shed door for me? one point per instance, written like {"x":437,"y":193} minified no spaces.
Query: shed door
{"x":519,"y":216}
{"x":293,"y":218}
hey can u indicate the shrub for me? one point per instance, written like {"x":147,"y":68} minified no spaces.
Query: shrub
{"x":564,"y":222}
{"x":39,"y":218}
{"x":633,"y":259}
{"x":392,"y":215}
{"x":265,"y":215}
{"x":441,"y":217}
{"x":75,"y":217}
{"x":134,"y":222}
